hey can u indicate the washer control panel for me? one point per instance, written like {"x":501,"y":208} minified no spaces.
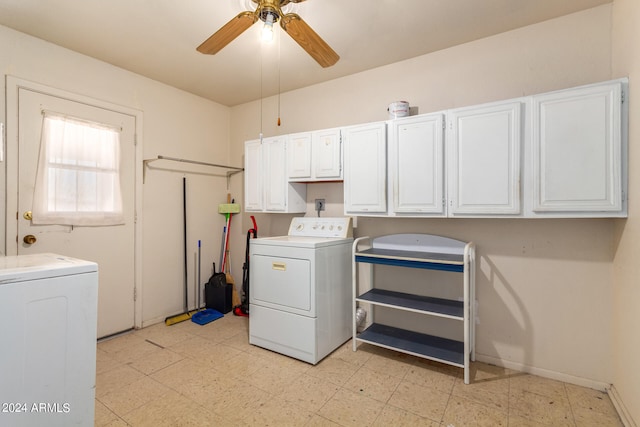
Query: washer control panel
{"x":321,"y":227}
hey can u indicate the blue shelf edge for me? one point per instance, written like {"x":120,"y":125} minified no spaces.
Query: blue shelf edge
{"x":428,"y":346}
{"x":428,"y":305}
{"x":409,"y":263}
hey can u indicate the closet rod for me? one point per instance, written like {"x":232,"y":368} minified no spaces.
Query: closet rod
{"x":174,"y":159}
{"x":234,"y":169}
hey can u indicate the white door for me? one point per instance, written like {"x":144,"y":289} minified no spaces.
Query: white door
{"x":484,"y":159}
{"x":577,"y":150}
{"x":299,"y":152}
{"x":365,"y":169}
{"x":111,"y":247}
{"x":282,"y":282}
{"x":327,"y":155}
{"x":417,"y":163}
{"x":275,"y":177}
{"x":253,"y":184}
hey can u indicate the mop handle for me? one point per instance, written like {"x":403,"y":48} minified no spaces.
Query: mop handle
{"x":198,"y":287}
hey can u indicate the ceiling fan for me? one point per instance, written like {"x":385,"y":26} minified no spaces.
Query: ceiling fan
{"x":270,"y":12}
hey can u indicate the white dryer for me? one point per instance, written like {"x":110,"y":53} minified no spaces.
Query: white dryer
{"x":300,"y":288}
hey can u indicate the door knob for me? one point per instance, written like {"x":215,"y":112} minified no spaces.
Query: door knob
{"x":29,"y":239}
{"x":27,"y":215}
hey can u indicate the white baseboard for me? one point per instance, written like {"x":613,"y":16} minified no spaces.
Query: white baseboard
{"x":559,"y":376}
{"x":624,"y":414}
{"x":610,"y":389}
{"x":153,"y":321}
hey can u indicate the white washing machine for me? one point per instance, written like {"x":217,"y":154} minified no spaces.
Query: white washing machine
{"x":48,"y":325}
{"x":300,"y":288}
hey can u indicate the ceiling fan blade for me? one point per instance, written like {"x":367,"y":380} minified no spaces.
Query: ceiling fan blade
{"x":309,"y":40}
{"x":227,"y":33}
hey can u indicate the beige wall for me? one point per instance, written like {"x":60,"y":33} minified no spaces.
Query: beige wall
{"x":626,"y":283}
{"x":554,"y":295}
{"x":544,"y":286}
{"x":175,"y":124}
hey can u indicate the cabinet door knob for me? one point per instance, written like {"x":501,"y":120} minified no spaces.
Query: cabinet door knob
{"x":29,"y":239}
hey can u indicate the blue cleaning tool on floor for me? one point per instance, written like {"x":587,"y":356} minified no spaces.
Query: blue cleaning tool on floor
{"x":205,"y":316}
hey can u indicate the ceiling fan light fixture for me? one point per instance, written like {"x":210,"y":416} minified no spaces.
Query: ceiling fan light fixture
{"x":270,"y":12}
{"x":267,"y":29}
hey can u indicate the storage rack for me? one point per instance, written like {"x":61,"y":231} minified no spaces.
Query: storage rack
{"x":423,"y":251}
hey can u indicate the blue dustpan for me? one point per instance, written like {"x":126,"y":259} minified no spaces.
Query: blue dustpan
{"x":205,"y":316}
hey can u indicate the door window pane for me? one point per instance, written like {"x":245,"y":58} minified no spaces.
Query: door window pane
{"x":78,"y":177}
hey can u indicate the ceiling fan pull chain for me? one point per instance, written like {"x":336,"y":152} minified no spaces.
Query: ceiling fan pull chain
{"x":279,"y":80}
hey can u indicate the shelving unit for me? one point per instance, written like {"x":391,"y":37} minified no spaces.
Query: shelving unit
{"x":423,"y":251}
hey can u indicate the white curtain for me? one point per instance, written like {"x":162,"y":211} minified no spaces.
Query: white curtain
{"x":78,"y":176}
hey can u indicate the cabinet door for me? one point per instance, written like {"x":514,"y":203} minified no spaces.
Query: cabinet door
{"x":365,"y":169}
{"x":327,"y":155}
{"x":484,"y":160}
{"x":253,"y":190}
{"x":275,"y":174}
{"x":299,"y":152}
{"x":576,"y":148}
{"x":416,"y":163}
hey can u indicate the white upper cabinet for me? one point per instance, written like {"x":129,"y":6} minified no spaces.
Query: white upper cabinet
{"x":561,"y":154}
{"x":275,"y":182}
{"x":266,"y":186}
{"x":253,"y":193}
{"x":365,"y":169}
{"x":299,"y":152}
{"x":484,"y":146}
{"x":315,"y":156}
{"x":327,"y":155}
{"x":416,"y":165}
{"x":578,"y":151}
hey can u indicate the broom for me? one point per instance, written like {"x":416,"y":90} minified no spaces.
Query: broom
{"x":229,"y":209}
{"x":186,"y":315}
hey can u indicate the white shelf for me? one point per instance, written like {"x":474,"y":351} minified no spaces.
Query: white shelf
{"x":416,"y":303}
{"x":421,"y":345}
{"x":421,"y":251}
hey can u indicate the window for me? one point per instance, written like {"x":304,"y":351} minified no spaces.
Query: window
{"x":78,"y":176}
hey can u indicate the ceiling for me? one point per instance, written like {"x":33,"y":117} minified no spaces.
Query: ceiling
{"x":158,"y":38}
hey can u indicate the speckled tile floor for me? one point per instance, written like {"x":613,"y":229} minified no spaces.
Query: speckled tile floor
{"x":192,"y":375}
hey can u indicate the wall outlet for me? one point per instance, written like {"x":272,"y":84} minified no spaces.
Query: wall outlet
{"x":319,"y":204}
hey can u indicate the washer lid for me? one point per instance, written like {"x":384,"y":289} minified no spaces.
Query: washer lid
{"x":21,"y":268}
